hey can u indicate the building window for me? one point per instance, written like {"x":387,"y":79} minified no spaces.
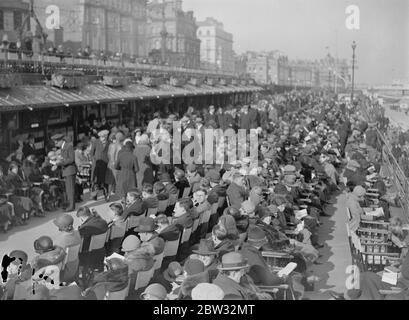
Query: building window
{"x":18,"y":19}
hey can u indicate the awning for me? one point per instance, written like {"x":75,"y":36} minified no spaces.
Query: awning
{"x":41,"y":96}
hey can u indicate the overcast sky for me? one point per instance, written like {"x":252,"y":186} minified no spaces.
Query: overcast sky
{"x":304,"y":28}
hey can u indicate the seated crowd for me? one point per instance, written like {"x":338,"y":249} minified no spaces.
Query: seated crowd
{"x":233,"y":231}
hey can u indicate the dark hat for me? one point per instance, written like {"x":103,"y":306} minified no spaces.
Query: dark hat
{"x":165,"y":177}
{"x":145,"y":225}
{"x":173,"y":271}
{"x":193,"y":266}
{"x":280,"y":189}
{"x":234,"y":212}
{"x":44,"y":243}
{"x":57,"y":137}
{"x":3,"y":198}
{"x":213,"y":176}
{"x":233,"y":261}
{"x":256,"y":236}
{"x":21,"y":256}
{"x":205,"y":248}
{"x":63,"y":221}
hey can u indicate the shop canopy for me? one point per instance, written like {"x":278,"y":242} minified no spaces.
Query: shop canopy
{"x":42,"y":96}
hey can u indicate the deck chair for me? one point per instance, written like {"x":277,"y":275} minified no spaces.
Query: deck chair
{"x":151,"y":211}
{"x":172,"y":199}
{"x":143,"y":278}
{"x":374,"y":224}
{"x":274,"y":290}
{"x":228,"y":201}
{"x":204,"y":223}
{"x":158,"y":260}
{"x":351,"y":246}
{"x":163,"y":204}
{"x":118,"y":295}
{"x":349,"y":215}
{"x":369,"y":234}
{"x":193,"y":237}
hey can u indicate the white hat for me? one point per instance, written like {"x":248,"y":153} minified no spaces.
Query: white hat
{"x":103,"y":133}
{"x":207,"y":291}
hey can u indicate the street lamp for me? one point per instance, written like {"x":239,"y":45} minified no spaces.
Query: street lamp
{"x":353,"y":70}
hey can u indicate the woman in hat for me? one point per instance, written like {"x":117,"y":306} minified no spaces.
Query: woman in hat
{"x":19,"y":270}
{"x":127,"y":166}
{"x":206,"y":253}
{"x":48,"y":253}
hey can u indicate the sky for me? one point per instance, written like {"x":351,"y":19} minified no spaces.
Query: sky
{"x":310,"y":29}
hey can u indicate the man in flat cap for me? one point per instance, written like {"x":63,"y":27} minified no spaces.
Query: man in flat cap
{"x":69,"y":170}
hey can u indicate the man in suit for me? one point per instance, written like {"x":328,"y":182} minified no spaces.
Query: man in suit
{"x":69,"y":170}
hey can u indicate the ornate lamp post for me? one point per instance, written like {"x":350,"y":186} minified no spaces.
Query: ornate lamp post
{"x":353,"y":70}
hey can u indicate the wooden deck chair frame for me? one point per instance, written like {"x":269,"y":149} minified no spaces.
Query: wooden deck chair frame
{"x":276,"y":260}
{"x":132,"y":222}
{"x":204,"y":223}
{"x":21,"y":290}
{"x":171,"y":247}
{"x":186,"y":192}
{"x":349,"y":215}
{"x":143,"y":278}
{"x":351,"y":246}
{"x":275,"y":289}
{"x":71,"y":254}
{"x":228,"y":201}
{"x":163,"y":204}
{"x":116,"y":231}
{"x":187,"y":232}
{"x":118,"y":295}
{"x":173,"y":198}
{"x":158,"y":260}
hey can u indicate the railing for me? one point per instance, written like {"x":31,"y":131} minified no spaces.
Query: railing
{"x":395,"y":172}
{"x":11,"y":57}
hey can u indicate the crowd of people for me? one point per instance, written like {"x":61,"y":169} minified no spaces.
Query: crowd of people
{"x":311,"y":146}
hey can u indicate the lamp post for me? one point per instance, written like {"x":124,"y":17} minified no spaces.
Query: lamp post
{"x":353,"y":70}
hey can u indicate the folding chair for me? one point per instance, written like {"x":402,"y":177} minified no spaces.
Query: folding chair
{"x":97,"y":241}
{"x":117,"y":231}
{"x":184,"y":244}
{"x":213,"y":219}
{"x":276,"y":260}
{"x":22,"y":290}
{"x":163,"y":204}
{"x":151,"y":212}
{"x":274,"y":290}
{"x":70,"y":265}
{"x":228,"y":201}
{"x":186,"y":192}
{"x":204,"y":223}
{"x":132,"y":222}
{"x":158,"y":260}
{"x":172,"y":199}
